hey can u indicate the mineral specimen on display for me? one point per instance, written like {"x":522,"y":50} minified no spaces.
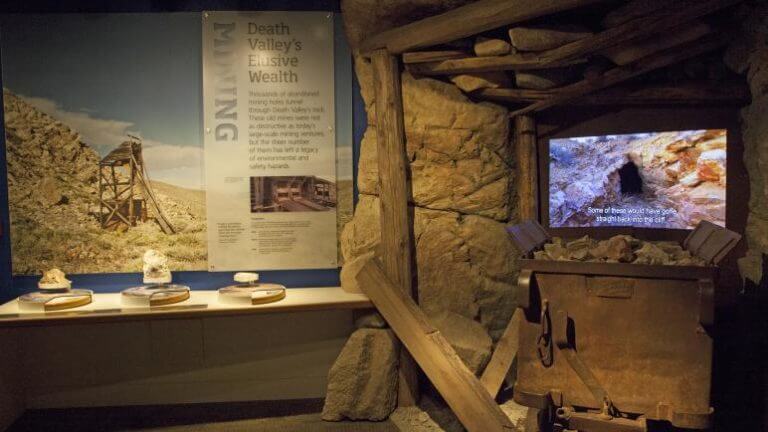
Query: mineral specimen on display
{"x":156,"y":267}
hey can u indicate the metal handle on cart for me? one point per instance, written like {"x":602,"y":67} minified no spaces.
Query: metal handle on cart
{"x":525,"y":282}
{"x":563,"y":326}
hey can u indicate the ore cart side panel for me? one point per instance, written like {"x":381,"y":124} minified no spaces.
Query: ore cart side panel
{"x":641,"y":338}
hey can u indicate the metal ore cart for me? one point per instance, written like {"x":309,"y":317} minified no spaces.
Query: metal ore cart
{"x":612,"y":347}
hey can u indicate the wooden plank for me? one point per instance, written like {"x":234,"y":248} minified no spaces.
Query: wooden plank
{"x":623,"y":73}
{"x":431,"y":56}
{"x":503,"y":356}
{"x":676,"y":14}
{"x":462,"y":391}
{"x":693,"y":93}
{"x":393,"y":196}
{"x":669,"y":18}
{"x":526,"y":167}
{"x":464,"y":21}
{"x":519,"y":61}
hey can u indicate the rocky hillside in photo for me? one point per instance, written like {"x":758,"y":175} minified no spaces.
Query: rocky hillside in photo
{"x":681,"y":178}
{"x":54,"y":207}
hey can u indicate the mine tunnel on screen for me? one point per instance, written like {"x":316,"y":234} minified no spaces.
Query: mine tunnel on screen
{"x":629,"y":177}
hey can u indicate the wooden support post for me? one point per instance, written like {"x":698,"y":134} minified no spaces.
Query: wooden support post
{"x":462,"y":391}
{"x":527,"y":172}
{"x":393,"y":197}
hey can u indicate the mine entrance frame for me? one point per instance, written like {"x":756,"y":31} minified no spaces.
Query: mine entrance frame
{"x":388,"y":282}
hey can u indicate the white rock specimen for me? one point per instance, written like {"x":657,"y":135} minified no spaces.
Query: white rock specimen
{"x":54,"y":279}
{"x":486,"y":47}
{"x":246,"y":277}
{"x":156,"y":268}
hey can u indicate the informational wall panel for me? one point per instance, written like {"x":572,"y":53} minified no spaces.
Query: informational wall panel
{"x":269,"y":139}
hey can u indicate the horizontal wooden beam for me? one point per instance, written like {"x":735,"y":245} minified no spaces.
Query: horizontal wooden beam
{"x":678,"y":13}
{"x":462,"y":391}
{"x":432,"y":56}
{"x":623,"y":73}
{"x":468,"y":20}
{"x":519,"y":61}
{"x":697,"y":93}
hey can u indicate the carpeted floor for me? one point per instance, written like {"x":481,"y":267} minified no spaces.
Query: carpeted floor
{"x":273,"y":416}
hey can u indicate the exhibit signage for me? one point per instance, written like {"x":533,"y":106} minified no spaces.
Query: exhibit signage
{"x":269,"y":140}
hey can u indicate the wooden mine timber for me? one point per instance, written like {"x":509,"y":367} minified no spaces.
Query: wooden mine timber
{"x":574,"y":52}
{"x":393,"y":197}
{"x":464,"y":21}
{"x":462,"y":391}
{"x":430,"y":56}
{"x":695,"y":93}
{"x":524,"y":61}
{"x":122,"y":175}
{"x":527,"y":169}
{"x":503,"y":356}
{"x":623,"y":73}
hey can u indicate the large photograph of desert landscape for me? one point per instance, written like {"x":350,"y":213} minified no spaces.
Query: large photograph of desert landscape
{"x":652,"y":180}
{"x":102,"y":130}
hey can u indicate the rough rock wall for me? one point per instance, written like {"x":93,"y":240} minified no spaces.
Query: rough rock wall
{"x":461,"y":181}
{"x":748,"y":54}
{"x":462,"y":193}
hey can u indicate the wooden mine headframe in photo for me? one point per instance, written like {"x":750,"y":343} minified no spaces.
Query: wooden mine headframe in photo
{"x":125,"y":191}
{"x":388,"y":282}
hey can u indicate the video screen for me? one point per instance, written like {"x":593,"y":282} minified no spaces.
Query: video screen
{"x":649,"y":180}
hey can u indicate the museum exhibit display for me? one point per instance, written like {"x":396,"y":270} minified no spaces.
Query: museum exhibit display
{"x":346,"y":215}
{"x":55,"y":294}
{"x":248,"y":290}
{"x":158,"y":291}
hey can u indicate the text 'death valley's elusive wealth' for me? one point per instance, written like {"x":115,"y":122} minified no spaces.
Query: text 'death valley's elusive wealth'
{"x":268,"y":96}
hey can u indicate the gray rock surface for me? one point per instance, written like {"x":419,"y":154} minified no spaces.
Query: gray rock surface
{"x":459,"y":156}
{"x":544,"y":79}
{"x":748,"y":54}
{"x":362,"y":383}
{"x":541,"y":38}
{"x":467,"y":337}
{"x":464,"y":263}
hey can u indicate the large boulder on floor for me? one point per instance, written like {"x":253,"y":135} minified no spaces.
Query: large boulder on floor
{"x":541,"y":38}
{"x":467,"y":337}
{"x":362,"y":383}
